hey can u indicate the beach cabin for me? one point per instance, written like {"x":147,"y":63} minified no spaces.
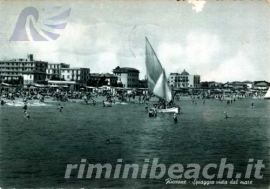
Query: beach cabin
{"x":65,"y":85}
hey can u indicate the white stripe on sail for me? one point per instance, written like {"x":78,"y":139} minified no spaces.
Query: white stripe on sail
{"x":267,"y":95}
{"x":162,"y":89}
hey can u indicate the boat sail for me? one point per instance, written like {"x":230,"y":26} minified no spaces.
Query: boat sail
{"x":156,"y":77}
{"x":267,"y":95}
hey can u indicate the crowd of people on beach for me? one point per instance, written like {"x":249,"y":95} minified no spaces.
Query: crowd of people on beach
{"x":89,"y":98}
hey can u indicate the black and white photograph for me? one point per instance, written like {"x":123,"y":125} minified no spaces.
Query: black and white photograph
{"x":111,"y":94}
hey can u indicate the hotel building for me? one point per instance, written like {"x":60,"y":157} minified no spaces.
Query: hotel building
{"x":129,"y":77}
{"x":110,"y":79}
{"x":184,"y":80}
{"x":75,"y":74}
{"x":15,"y":69}
{"x":54,"y":70}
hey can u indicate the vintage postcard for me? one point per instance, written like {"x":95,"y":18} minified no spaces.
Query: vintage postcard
{"x":135,"y":94}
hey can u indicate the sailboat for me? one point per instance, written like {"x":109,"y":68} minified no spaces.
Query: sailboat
{"x":267,"y":95}
{"x":156,"y":78}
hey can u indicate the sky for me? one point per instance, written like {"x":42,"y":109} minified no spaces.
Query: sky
{"x":220,"y":40}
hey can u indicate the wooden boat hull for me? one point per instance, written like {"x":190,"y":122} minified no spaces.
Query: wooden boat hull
{"x":169,"y":110}
{"x":122,"y":103}
{"x":107,"y":104}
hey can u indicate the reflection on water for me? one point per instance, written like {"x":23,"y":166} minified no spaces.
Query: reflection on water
{"x":35,"y":152}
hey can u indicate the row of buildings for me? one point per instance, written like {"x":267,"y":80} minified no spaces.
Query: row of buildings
{"x":237,"y":85}
{"x":185,"y":80}
{"x":30,"y":71}
{"x":33,"y":70}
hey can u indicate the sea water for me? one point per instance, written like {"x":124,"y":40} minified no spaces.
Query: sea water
{"x":35,"y":152}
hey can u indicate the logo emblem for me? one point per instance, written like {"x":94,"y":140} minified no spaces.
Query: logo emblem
{"x":32,"y":27}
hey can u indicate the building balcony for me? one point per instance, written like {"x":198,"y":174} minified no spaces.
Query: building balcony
{"x":10,"y":70}
{"x":16,"y":66}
